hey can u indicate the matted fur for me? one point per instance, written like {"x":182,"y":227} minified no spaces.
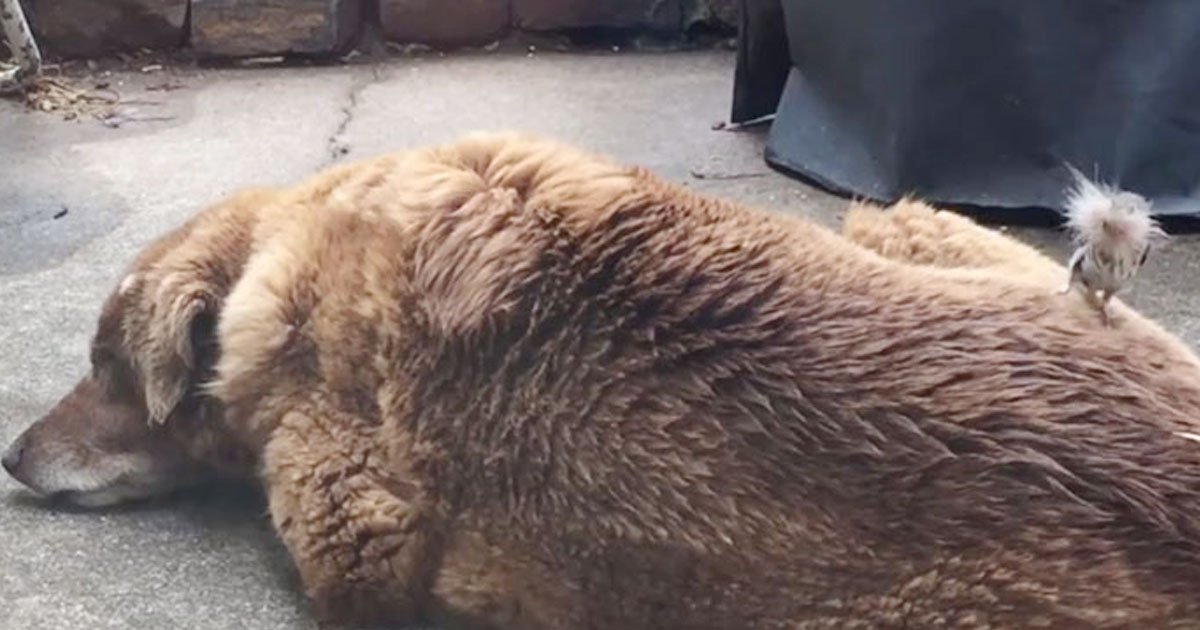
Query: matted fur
{"x":510,"y":384}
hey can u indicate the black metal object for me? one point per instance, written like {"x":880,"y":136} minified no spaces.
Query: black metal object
{"x":762,"y":60}
{"x":978,"y":102}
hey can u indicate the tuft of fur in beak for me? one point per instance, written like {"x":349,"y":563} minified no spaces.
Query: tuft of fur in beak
{"x":1113,"y":232}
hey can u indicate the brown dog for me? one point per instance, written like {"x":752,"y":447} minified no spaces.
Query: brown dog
{"x":503,"y":383}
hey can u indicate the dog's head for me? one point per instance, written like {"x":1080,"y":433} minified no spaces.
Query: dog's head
{"x":139,"y":423}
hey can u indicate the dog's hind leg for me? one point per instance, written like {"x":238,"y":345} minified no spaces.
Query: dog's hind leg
{"x":364,"y":547}
{"x":913,"y":232}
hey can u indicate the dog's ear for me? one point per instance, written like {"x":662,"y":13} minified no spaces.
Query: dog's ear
{"x":180,"y":332}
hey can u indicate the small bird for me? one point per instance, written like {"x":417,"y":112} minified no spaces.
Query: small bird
{"x":1113,"y":232}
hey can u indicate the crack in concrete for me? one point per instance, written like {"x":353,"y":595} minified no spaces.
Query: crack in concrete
{"x":336,"y":145}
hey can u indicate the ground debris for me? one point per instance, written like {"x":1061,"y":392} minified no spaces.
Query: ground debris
{"x":266,"y":60}
{"x":724,"y":176}
{"x":47,"y":94}
{"x":165,"y":86}
{"x":722,"y":125}
{"x":86,"y":97}
{"x":408,"y":50}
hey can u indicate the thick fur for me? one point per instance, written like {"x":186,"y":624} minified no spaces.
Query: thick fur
{"x":505,"y":383}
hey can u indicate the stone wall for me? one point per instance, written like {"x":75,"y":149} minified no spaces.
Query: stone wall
{"x":242,"y":28}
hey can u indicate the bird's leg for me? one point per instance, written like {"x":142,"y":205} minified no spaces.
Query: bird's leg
{"x":1097,"y":303}
{"x":1105,"y":317}
{"x":1073,"y":267}
{"x":1073,"y":283}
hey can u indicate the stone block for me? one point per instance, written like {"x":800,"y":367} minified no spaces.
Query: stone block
{"x":548,"y":15}
{"x":726,"y":12}
{"x":445,"y":23}
{"x":249,"y":28}
{"x":89,"y":28}
{"x":723,"y":13}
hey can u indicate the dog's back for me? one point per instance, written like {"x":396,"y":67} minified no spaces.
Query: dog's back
{"x":642,"y":408}
{"x":691,"y":415}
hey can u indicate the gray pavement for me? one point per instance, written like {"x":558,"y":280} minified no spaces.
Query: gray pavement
{"x":209,"y":560}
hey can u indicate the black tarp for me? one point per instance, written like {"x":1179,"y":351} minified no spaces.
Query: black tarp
{"x":978,"y":102}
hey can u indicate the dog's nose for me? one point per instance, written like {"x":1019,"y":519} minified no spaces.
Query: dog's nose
{"x":12,"y":457}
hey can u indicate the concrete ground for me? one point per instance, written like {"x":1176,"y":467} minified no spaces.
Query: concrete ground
{"x":78,"y":199}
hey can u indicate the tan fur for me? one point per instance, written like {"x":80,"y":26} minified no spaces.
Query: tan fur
{"x":505,"y":383}
{"x":914,"y":232}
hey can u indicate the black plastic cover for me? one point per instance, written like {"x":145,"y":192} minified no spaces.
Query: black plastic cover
{"x":978,"y":102}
